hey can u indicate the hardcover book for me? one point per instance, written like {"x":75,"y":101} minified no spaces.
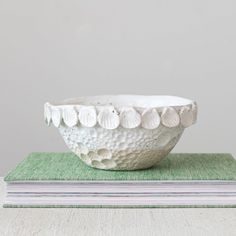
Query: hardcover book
{"x":180,"y":180}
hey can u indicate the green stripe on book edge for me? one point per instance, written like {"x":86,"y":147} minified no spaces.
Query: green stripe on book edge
{"x":68,"y":167}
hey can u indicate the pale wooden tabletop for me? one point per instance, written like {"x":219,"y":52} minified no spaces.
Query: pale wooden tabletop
{"x":148,"y":222}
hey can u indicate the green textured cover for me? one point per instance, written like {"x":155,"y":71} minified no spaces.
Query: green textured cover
{"x":67,"y":166}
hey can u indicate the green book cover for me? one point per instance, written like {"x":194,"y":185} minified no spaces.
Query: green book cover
{"x":67,"y":166}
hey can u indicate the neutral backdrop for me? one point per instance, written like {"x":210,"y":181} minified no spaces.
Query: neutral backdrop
{"x":51,"y":50}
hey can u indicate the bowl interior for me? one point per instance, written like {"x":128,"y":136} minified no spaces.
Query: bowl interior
{"x":128,"y":100}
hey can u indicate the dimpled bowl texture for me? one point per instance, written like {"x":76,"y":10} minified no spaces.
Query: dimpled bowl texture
{"x":121,"y":132}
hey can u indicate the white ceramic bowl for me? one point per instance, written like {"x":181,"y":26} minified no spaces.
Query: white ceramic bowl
{"x":121,"y":132}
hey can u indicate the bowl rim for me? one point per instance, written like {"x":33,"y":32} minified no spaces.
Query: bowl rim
{"x":111,"y":115}
{"x":126,"y":100}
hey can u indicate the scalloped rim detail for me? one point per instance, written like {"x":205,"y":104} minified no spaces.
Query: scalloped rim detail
{"x":188,"y":115}
{"x":130,"y":118}
{"x":108,"y":118}
{"x":170,"y":117}
{"x":126,"y":117}
{"x":70,"y":117}
{"x":47,"y":114}
{"x":56,"y":117}
{"x":150,"y":119}
{"x":87,"y":116}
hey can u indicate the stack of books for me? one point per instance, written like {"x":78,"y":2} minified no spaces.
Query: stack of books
{"x":179,"y":180}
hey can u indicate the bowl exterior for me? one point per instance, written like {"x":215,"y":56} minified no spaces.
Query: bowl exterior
{"x":120,"y":137}
{"x":121,"y":148}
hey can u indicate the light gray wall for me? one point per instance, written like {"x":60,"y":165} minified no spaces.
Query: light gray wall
{"x":51,"y":50}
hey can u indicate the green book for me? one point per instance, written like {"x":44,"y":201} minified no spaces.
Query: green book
{"x":179,"y":180}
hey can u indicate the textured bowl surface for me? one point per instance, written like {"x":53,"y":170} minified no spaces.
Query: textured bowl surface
{"x":121,"y":132}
